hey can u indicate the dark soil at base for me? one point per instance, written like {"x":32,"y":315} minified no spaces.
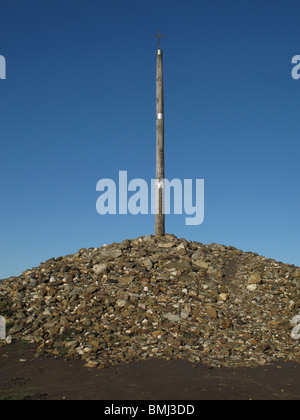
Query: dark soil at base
{"x":24,"y":377}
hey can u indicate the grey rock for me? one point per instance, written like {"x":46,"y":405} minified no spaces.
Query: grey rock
{"x":110,"y":254}
{"x":171,"y":317}
{"x":147,"y":263}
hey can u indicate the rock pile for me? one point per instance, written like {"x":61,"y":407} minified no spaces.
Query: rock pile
{"x":160,"y":298}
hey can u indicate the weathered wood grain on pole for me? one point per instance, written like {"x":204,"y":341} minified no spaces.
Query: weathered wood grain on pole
{"x":160,"y":159}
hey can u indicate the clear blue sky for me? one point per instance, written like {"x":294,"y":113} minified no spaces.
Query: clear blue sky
{"x":78,"y":105}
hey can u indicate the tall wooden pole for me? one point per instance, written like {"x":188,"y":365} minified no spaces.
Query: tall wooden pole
{"x":160,"y":161}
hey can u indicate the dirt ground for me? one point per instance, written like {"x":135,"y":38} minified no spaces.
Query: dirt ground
{"x":24,"y":377}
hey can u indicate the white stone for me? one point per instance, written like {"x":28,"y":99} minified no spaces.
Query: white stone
{"x":252,"y":287}
{"x":184,"y":315}
{"x":99,"y":268}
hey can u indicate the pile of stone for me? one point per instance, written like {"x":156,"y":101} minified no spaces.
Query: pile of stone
{"x":157,"y":298}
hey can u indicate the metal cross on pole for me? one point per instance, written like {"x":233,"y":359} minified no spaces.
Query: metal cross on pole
{"x":159,"y":36}
{"x":160,"y":160}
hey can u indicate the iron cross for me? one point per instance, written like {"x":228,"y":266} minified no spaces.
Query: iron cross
{"x":159,"y":36}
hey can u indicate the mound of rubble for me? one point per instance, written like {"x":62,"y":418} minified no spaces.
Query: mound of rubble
{"x":157,"y":298}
